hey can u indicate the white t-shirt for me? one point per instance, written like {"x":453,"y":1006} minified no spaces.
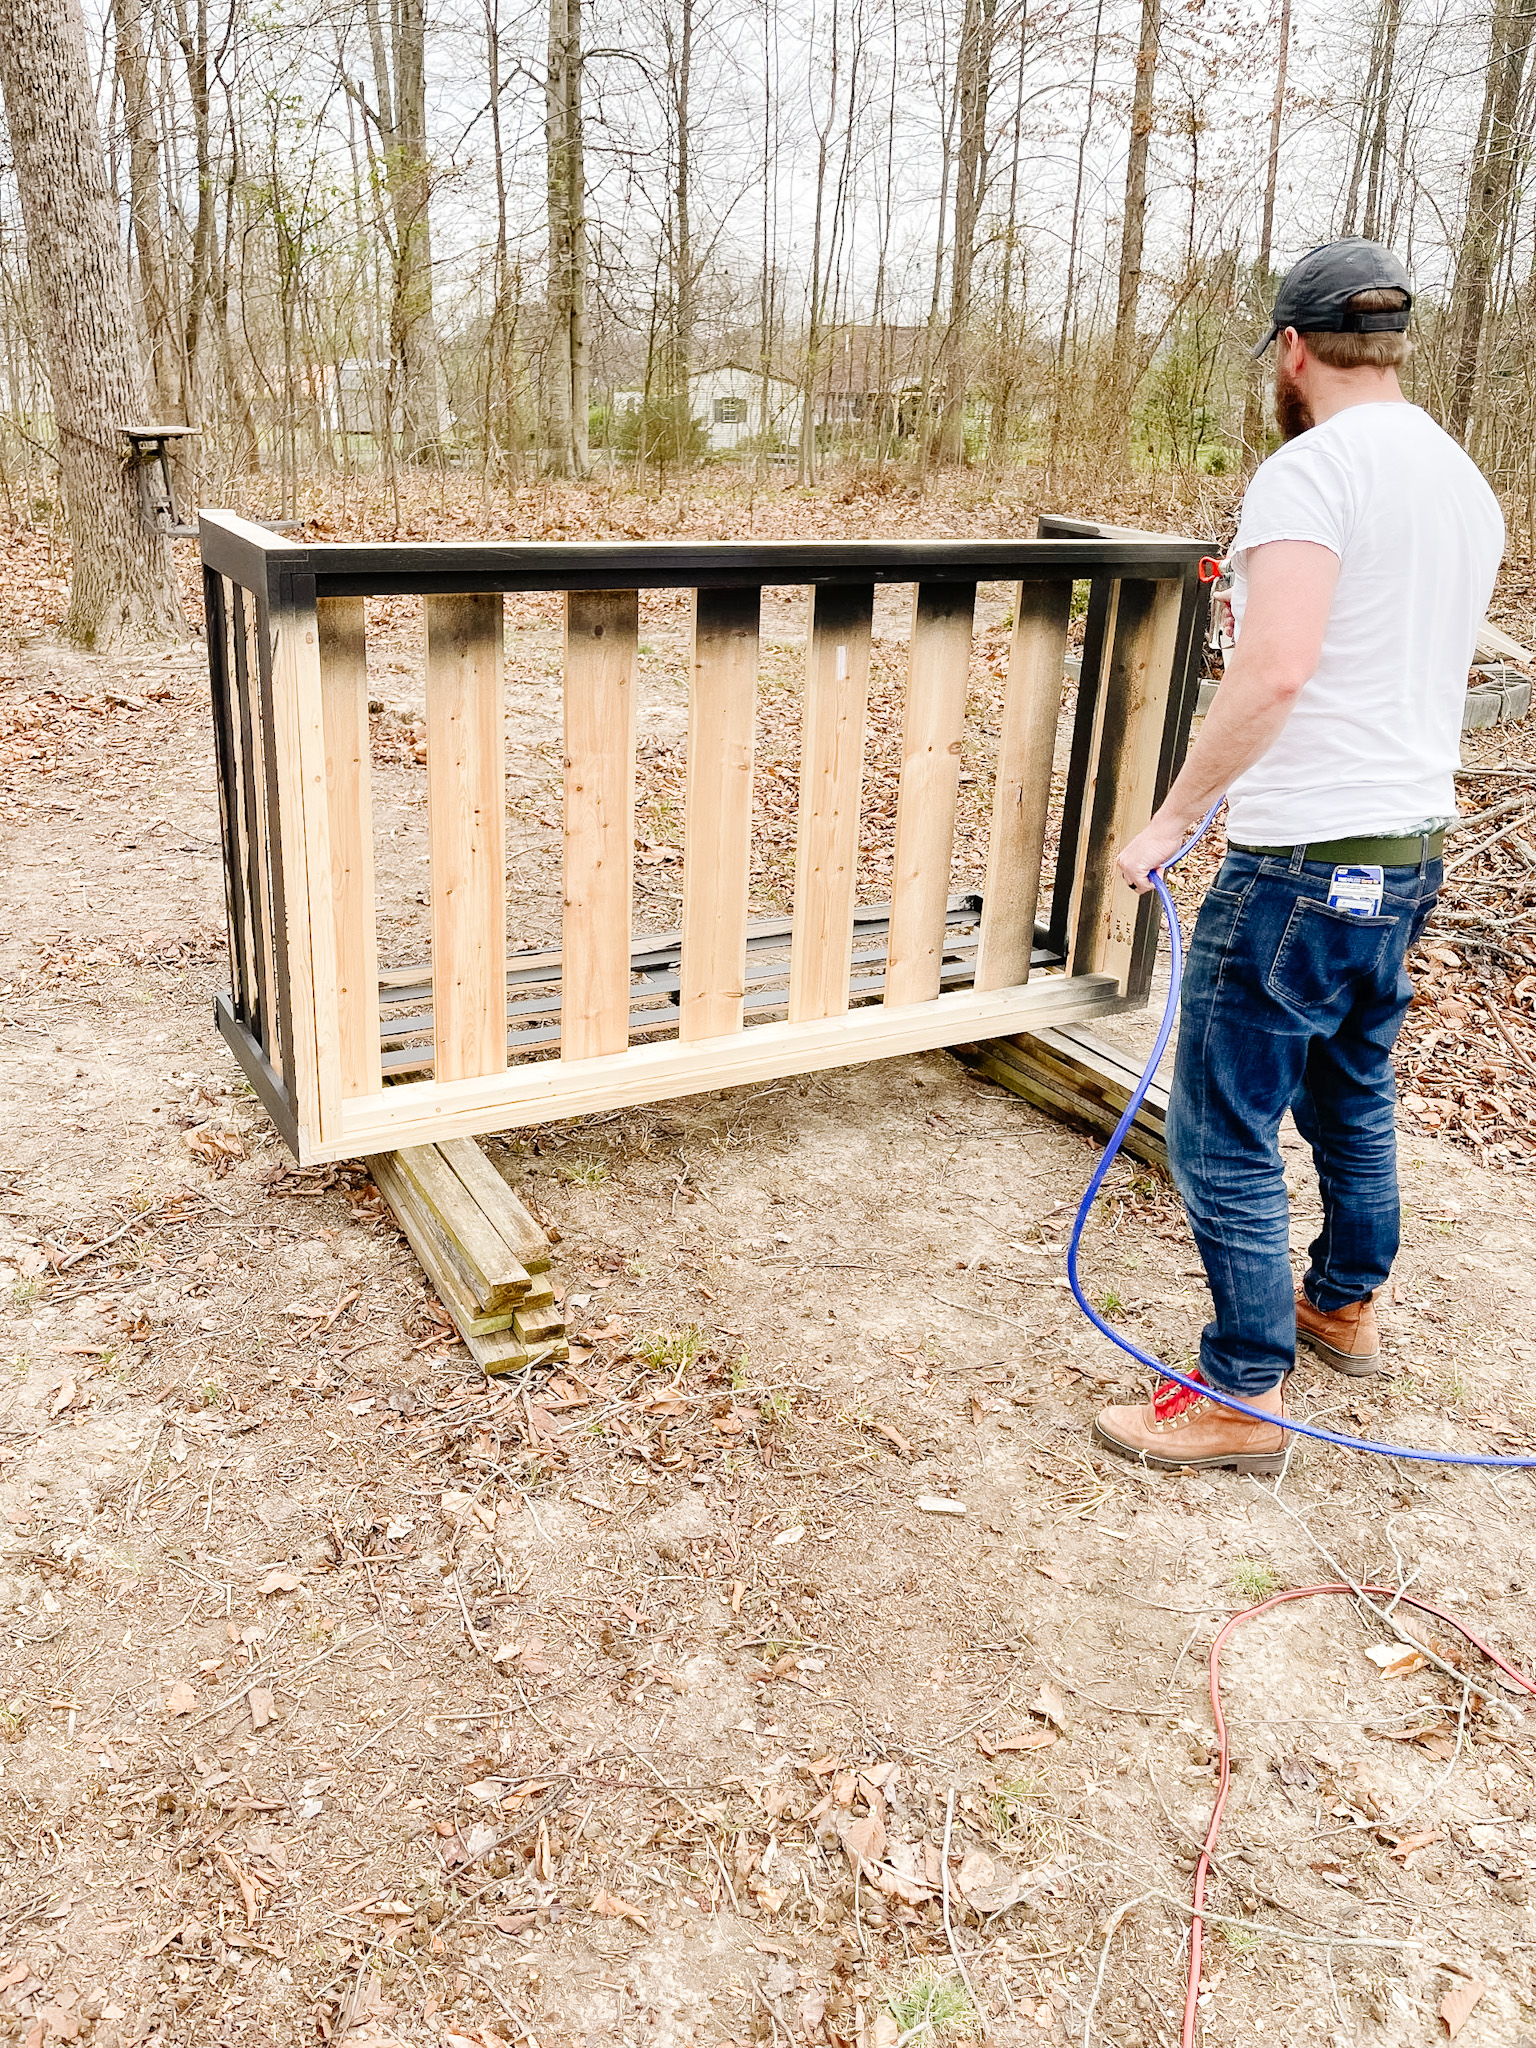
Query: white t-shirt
{"x":1375,"y":735}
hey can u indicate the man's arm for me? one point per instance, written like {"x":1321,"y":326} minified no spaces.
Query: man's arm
{"x":1290,"y":594}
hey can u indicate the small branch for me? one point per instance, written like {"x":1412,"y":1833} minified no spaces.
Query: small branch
{"x":954,"y":1946}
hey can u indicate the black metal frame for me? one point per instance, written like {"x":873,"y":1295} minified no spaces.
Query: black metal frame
{"x":283,"y":580}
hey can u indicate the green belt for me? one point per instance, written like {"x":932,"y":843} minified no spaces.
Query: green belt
{"x":1357,"y":853}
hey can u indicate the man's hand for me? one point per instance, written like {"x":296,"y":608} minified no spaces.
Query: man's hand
{"x":1149,"y":849}
{"x":1290,"y":594}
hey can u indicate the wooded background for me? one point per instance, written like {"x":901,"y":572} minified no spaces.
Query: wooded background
{"x":518,"y":238}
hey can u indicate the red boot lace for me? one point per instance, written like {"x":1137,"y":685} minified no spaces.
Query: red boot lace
{"x":1171,"y":1399}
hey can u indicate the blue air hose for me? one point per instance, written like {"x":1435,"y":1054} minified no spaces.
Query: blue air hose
{"x":1138,"y":1093}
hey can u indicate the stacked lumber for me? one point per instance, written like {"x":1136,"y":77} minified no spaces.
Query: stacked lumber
{"x":480,"y":1247}
{"x":1072,"y":1074}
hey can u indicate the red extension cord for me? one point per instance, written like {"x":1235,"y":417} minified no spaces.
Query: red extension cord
{"x":1197,"y":1924}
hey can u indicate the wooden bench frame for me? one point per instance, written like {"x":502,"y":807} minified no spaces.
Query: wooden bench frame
{"x":287,"y":662}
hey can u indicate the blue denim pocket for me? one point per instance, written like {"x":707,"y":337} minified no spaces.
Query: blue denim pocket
{"x":1324,"y":952}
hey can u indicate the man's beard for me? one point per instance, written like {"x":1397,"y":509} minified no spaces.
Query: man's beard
{"x":1293,"y":415}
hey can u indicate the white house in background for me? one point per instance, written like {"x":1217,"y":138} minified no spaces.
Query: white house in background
{"x":727,"y":401}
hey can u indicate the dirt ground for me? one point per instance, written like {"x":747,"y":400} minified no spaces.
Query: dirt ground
{"x":347,"y":1697}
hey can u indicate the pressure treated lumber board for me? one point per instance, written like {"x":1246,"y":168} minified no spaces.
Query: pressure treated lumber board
{"x":717,"y":846}
{"x":497,"y":1278}
{"x":516,"y":1334}
{"x":1071,"y":1074}
{"x":518,"y":1230}
{"x":939,"y":669}
{"x":438,"y":1253}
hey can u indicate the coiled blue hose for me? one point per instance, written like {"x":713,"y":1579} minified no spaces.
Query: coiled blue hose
{"x":1138,"y":1093}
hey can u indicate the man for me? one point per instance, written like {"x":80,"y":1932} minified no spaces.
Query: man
{"x":1364,"y":560}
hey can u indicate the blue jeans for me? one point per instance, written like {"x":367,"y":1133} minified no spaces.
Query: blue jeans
{"x":1289,"y":1005}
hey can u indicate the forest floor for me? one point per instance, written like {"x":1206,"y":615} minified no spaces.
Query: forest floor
{"x":348,"y":1697}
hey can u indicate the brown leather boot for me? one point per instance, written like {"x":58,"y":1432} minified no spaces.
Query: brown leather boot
{"x":1177,"y":1431}
{"x":1347,"y":1340}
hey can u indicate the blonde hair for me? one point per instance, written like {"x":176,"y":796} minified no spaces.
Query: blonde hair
{"x":1364,"y":351}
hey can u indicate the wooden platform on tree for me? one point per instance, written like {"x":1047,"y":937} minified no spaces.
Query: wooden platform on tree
{"x":1072,"y":1074}
{"x":483,"y":1251}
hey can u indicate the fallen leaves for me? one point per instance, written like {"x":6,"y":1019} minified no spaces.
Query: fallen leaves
{"x":181,"y":1699}
{"x":1457,"y":2005}
{"x":281,"y":1580}
{"x":1396,"y":1660}
{"x":260,"y":1702}
{"x":1016,"y":1744}
{"x":1053,"y":1705}
{"x":609,"y":1906}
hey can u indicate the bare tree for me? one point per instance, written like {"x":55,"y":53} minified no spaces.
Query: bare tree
{"x":566,"y":375}
{"x":1124,"y":363}
{"x":973,"y":86}
{"x":144,"y":200}
{"x":1488,"y":200}
{"x":1253,"y":414}
{"x":398,"y":117}
{"x":121,"y":582}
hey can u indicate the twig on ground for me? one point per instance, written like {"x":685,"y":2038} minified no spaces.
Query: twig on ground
{"x":1396,"y":1820}
{"x":133,"y":1505}
{"x":991,"y":1314}
{"x":954,"y":1946}
{"x":469,"y":1626}
{"x":1503,"y":1030}
{"x":1110,"y":1927}
{"x":1383,"y":1614}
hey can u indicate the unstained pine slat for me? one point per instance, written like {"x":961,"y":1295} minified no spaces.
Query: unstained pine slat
{"x":932,"y":733}
{"x":602,"y":630}
{"x":718,"y":833}
{"x":466,"y":835}
{"x":344,"y":704}
{"x":831,"y":778}
{"x":1021,"y":795}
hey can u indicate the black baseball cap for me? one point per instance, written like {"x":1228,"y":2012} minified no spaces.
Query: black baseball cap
{"x":1314,"y":294}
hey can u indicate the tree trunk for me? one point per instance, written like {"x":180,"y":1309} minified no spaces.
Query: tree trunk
{"x":414,"y":324}
{"x":192,"y":35}
{"x":144,"y":206}
{"x":684,"y":279}
{"x":1488,"y":201}
{"x":1363,"y":132}
{"x":122,"y":582}
{"x":567,"y":377}
{"x":1059,"y":393}
{"x":400,"y":81}
{"x":1253,"y":402}
{"x":1123,"y":358}
{"x":975,"y":86}
{"x":1375,"y":193}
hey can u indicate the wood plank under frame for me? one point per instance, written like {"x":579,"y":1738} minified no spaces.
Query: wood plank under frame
{"x":426,"y":1112}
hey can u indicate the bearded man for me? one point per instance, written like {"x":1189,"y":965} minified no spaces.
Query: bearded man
{"x":1363,"y":564}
